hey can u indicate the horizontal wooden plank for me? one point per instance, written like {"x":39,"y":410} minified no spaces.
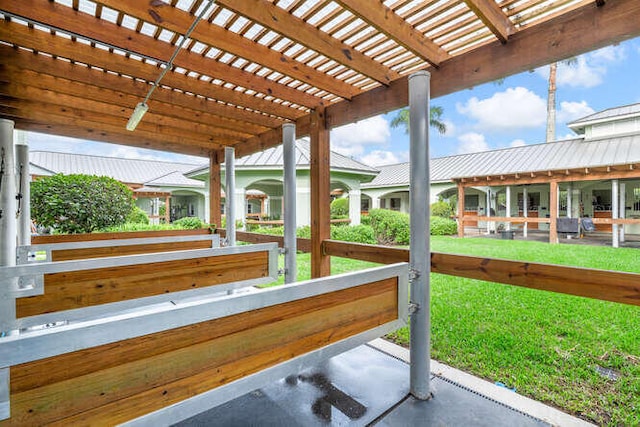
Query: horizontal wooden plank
{"x":604,"y":285}
{"x":64,"y":238}
{"x":110,"y":251}
{"x":303,"y":245}
{"x":77,"y":289}
{"x":116,"y":382}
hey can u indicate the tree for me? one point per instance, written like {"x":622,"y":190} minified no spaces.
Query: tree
{"x":435,"y":119}
{"x":80,"y":203}
{"x":551,"y":98}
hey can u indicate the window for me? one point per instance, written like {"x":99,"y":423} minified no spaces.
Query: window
{"x":636,"y":199}
{"x":562,"y":200}
{"x":364,"y":205}
{"x":471,"y":202}
{"x":394,"y":204}
{"x":533,"y":201}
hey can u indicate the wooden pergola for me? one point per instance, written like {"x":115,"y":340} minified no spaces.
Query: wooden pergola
{"x":78,"y":68}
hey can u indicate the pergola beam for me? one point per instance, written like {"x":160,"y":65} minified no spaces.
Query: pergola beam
{"x":174,"y":19}
{"x":388,"y":22}
{"x":493,"y":17}
{"x":281,"y":21}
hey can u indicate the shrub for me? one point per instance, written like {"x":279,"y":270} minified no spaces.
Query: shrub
{"x":355,"y":233}
{"x":79,"y":203}
{"x":442,"y":226}
{"x":340,"y":208}
{"x":442,"y":209}
{"x":390,"y":227}
{"x":189,"y":223}
{"x":137,"y":216}
{"x":365,"y":220}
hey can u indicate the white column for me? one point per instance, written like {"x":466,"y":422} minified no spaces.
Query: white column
{"x":23,"y":179}
{"x":240,"y":197}
{"x":569,"y":201}
{"x":8,"y":229}
{"x":508,"y":212}
{"x":615,"y":237}
{"x":354,"y":206}
{"x":488,"y":212}
{"x":230,"y":194}
{"x":375,"y":202}
{"x":289,"y":190}
{"x":525,"y":209}
{"x":623,"y":202}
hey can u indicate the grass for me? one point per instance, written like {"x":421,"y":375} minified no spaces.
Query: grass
{"x":546,"y":345}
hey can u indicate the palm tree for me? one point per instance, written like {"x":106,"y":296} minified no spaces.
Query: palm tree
{"x":551,"y":98}
{"x":435,"y":119}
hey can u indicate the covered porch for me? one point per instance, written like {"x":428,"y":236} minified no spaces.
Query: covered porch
{"x":178,"y":331}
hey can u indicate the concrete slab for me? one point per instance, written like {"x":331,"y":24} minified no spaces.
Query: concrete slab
{"x":364,"y":386}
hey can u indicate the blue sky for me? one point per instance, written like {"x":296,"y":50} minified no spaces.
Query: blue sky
{"x":490,"y":116}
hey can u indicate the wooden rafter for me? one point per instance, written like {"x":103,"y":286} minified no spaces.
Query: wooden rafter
{"x":387,"y":22}
{"x":493,"y":17}
{"x":281,"y":21}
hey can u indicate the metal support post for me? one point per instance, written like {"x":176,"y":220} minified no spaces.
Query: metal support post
{"x":420,"y":261}
{"x":289,"y":212}
{"x":230,"y":190}
{"x":615,"y":208}
{"x":623,"y":202}
{"x":569,"y":200}
{"x":23,"y":211}
{"x":8,"y":240}
{"x":508,"y":202}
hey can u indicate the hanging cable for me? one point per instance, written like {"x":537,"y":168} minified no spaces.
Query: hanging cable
{"x":19,"y":196}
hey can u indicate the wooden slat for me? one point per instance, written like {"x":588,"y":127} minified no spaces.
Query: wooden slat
{"x":215,"y":188}
{"x":303,"y":245}
{"x":77,"y":289}
{"x":389,"y":23}
{"x":117,"y":382}
{"x":282,"y":22}
{"x":65,"y":238}
{"x":176,"y":20}
{"x":493,"y":17}
{"x":604,"y":285}
{"x":45,"y":42}
{"x":320,"y":193}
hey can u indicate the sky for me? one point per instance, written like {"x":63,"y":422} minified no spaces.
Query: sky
{"x":487,"y":117}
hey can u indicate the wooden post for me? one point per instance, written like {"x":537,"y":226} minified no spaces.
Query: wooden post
{"x":320,"y":193}
{"x":460,"y":210}
{"x":553,"y":211}
{"x":215,"y":216}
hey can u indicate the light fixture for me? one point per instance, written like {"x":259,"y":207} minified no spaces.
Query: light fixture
{"x":136,"y":116}
{"x":142,"y":107}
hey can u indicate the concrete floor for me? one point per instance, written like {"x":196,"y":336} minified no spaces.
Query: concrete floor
{"x":593,"y":238}
{"x":369,"y":386}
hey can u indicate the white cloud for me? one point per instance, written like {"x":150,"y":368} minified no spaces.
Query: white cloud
{"x":472,"y":142}
{"x":515,"y":108}
{"x":350,"y":140}
{"x":570,"y":111}
{"x":518,"y":143}
{"x":451,"y":128}
{"x":380,"y":157}
{"x":566,"y":136}
{"x":589,"y":70}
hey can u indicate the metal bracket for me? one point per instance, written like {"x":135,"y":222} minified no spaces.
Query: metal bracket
{"x":412,"y":308}
{"x":281,"y":271}
{"x":282,"y":251}
{"x":413,"y":274}
{"x":24,"y":286}
{"x":25,"y":255}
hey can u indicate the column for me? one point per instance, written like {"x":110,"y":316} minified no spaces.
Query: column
{"x":289,"y":211}
{"x":553,"y":212}
{"x":460,"y":210}
{"x":525,"y":209}
{"x":23,"y":178}
{"x":615,"y":209}
{"x":419,"y":242}
{"x":508,"y":202}
{"x":230,"y":194}
{"x":622,"y":203}
{"x":375,"y":202}
{"x":320,"y":193}
{"x":8,"y":223}
{"x":167,"y":209}
{"x":355,"y":205}
{"x":488,"y":211}
{"x":569,"y":200}
{"x":215,"y":201}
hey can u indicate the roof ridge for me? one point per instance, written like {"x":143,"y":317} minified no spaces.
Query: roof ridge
{"x":113,"y":158}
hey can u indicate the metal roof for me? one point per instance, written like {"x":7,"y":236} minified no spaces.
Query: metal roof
{"x":606,"y":115}
{"x":124,"y":170}
{"x":79,"y":67}
{"x":175,"y":179}
{"x":560,"y":155}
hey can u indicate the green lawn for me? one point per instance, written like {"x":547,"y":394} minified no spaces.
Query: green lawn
{"x":548,"y":346}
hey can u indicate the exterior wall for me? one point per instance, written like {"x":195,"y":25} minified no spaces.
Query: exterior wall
{"x":609,"y":129}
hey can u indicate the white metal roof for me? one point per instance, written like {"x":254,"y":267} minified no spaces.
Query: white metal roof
{"x":607,"y":115}
{"x":560,"y":155}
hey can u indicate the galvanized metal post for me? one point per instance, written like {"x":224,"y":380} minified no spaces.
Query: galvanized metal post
{"x":230,"y":189}
{"x":8,"y":236}
{"x":420,"y":260}
{"x":289,"y":212}
{"x":24,"y":189}
{"x":615,"y":209}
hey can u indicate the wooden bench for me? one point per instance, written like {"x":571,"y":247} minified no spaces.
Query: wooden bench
{"x":161,"y":361}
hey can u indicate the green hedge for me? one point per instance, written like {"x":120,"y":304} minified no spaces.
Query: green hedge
{"x":340,"y":208}
{"x":138,"y":216}
{"x":442,"y":226}
{"x":189,"y":223}
{"x":442,"y":209}
{"x":390,"y":227}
